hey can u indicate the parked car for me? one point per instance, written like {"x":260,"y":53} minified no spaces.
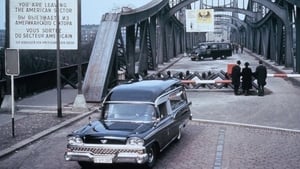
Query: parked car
{"x":212,"y":50}
{"x":138,"y":121}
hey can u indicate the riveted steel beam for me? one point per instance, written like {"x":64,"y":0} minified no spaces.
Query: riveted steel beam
{"x":236,"y":10}
{"x":278,"y":10}
{"x":282,"y":13}
{"x":140,"y":14}
{"x":294,"y":2}
{"x":228,"y":24}
{"x":177,"y":7}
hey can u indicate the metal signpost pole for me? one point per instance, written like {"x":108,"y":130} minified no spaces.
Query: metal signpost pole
{"x":79,"y":49}
{"x":12,"y":106}
{"x":59,"y":111}
{"x":12,"y":68}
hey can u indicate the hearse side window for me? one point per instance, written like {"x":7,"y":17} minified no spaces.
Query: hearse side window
{"x":177,"y":99}
{"x":203,"y":46}
{"x":214,"y":46}
{"x":163,"y":110}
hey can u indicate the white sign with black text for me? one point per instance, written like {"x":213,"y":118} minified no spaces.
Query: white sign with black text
{"x":33,"y":24}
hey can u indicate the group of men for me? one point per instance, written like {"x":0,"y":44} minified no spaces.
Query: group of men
{"x":247,"y":77}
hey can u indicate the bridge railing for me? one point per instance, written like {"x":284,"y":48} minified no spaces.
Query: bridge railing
{"x":31,"y":84}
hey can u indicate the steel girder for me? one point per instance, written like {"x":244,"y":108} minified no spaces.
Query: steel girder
{"x":102,"y":59}
{"x":130,"y":52}
{"x":143,"y":13}
{"x":282,"y":13}
{"x":102,"y":69}
{"x":102,"y":72}
{"x":294,"y":2}
{"x":297,"y":46}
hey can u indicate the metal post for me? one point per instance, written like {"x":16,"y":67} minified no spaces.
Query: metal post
{"x":6,"y":45}
{"x":184,"y":39}
{"x":12,"y":106}
{"x":79,"y":49}
{"x":297,"y":27}
{"x":59,"y":111}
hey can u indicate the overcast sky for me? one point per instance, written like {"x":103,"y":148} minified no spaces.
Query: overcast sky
{"x":92,"y":10}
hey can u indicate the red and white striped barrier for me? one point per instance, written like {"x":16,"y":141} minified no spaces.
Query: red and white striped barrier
{"x":283,"y":75}
{"x":216,"y":81}
{"x":205,"y":81}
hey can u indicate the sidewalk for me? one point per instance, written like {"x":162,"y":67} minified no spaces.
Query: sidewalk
{"x":36,"y":116}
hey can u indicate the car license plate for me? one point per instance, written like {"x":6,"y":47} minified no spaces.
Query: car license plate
{"x":103,"y":159}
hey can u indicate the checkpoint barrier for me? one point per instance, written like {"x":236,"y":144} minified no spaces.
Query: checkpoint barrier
{"x":212,"y":80}
{"x":205,"y":81}
{"x":229,"y":81}
{"x":284,"y":75}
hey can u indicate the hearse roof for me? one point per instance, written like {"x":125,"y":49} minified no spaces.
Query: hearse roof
{"x":146,"y":90}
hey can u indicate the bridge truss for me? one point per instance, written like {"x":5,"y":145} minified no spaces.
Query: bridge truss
{"x":134,"y":41}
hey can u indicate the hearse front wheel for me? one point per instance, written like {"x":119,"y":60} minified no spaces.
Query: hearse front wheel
{"x":152,"y":157}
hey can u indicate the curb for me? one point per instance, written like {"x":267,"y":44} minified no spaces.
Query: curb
{"x":31,"y":139}
{"x":245,"y":125}
{"x":171,"y":64}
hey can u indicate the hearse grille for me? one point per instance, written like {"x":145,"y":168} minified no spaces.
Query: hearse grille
{"x":103,"y":141}
{"x":99,"y":151}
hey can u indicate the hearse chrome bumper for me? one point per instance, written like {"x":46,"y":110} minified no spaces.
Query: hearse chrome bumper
{"x":106,"y":153}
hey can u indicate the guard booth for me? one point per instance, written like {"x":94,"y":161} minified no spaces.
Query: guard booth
{"x":229,"y":68}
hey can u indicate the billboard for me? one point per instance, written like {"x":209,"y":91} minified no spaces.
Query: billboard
{"x":32,"y":24}
{"x":201,"y":20}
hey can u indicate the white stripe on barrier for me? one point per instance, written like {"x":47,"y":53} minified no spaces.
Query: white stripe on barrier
{"x":283,"y":75}
{"x":198,"y":81}
{"x":205,"y":81}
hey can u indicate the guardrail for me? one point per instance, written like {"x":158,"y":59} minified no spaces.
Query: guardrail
{"x":26,"y":85}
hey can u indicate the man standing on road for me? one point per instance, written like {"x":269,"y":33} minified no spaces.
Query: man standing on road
{"x":261,"y":75}
{"x":246,"y":79}
{"x":236,"y":77}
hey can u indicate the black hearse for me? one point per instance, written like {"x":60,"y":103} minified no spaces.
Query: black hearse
{"x":212,"y":50}
{"x":138,"y":120}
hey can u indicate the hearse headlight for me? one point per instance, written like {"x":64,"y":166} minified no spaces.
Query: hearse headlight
{"x":135,"y":141}
{"x":74,"y":140}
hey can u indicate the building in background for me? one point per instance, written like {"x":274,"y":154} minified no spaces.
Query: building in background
{"x":88,"y":33}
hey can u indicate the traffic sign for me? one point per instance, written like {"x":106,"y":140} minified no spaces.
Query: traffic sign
{"x":12,"y":62}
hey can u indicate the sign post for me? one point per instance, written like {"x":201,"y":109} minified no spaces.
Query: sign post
{"x":58,"y":71}
{"x":12,"y":68}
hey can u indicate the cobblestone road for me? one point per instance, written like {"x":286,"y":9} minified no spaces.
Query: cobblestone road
{"x":203,"y":146}
{"x":208,"y":145}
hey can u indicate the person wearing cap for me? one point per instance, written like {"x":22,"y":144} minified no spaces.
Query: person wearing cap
{"x":246,"y":79}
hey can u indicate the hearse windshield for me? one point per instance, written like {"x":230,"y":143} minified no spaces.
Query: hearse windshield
{"x":129,"y":112}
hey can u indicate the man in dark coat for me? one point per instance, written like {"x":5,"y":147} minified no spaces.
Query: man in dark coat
{"x":235,"y":77}
{"x":246,"y":79}
{"x":261,"y":75}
